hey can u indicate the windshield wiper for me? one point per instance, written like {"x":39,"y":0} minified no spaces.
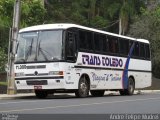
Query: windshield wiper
{"x":41,"y":50}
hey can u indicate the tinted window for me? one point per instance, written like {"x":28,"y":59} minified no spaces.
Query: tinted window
{"x":85,"y":40}
{"x":142,"y":50}
{"x":82,"y":40}
{"x":105,"y":44}
{"x":136,"y":50}
{"x":124,"y":46}
{"x":98,"y":41}
{"x":147,"y":51}
{"x":70,"y":45}
{"x":130,"y":44}
{"x":113,"y":44}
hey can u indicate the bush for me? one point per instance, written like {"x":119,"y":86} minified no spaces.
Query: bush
{"x":3,"y":60}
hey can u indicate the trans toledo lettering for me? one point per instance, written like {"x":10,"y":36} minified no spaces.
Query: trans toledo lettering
{"x":101,"y":61}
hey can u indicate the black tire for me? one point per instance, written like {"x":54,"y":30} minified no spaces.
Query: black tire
{"x":83,"y":88}
{"x":122,"y":92}
{"x":97,"y":93}
{"x":130,"y":89}
{"x":41,"y":94}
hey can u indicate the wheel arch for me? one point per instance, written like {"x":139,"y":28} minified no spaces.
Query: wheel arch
{"x":131,"y":76}
{"x":86,"y":77}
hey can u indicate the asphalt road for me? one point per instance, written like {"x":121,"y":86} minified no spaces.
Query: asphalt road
{"x":69,"y":104}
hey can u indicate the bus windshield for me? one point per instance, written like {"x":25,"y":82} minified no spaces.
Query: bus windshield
{"x":39,"y":46}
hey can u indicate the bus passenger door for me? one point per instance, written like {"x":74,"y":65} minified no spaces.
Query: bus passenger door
{"x":71,"y":55}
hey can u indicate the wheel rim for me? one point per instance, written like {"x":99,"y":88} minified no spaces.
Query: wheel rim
{"x":131,"y":86}
{"x":83,"y":88}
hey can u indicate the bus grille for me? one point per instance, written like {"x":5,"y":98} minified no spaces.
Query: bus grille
{"x":37,"y":82}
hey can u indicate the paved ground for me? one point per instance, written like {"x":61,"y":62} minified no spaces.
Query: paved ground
{"x":146,"y":102}
{"x":32,"y":95}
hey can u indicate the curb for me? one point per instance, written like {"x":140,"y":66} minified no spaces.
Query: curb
{"x":147,"y":91}
{"x":5,"y":96}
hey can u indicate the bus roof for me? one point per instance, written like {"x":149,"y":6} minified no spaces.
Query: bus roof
{"x":67,"y":25}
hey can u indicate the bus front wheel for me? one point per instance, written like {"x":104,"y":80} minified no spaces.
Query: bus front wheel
{"x":83,"y":88}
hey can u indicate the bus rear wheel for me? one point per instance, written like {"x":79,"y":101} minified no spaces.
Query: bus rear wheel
{"x":83,"y":88}
{"x":97,"y":93}
{"x":41,"y":94}
{"x":130,"y":89}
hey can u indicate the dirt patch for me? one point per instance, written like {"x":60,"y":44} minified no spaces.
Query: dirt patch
{"x":3,"y":77}
{"x":155,"y":84}
{"x":3,"y":89}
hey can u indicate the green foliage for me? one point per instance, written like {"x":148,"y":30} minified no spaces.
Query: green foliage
{"x":84,"y":12}
{"x":3,"y":83}
{"x":113,"y":10}
{"x":4,"y":38}
{"x":3,"y":59}
{"x":32,"y":13}
{"x":147,"y":26}
{"x":101,"y":14}
{"x":98,"y":22}
{"x":6,"y":12}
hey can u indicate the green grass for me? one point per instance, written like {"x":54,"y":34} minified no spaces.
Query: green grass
{"x":3,"y":83}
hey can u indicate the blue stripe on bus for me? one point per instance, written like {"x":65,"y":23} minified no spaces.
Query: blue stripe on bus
{"x":125,"y":71}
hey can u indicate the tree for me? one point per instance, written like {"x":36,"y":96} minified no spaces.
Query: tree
{"x":3,"y":59}
{"x":122,"y":11}
{"x":32,"y":13}
{"x":148,"y":27}
{"x":84,"y":12}
{"x":6,"y":13}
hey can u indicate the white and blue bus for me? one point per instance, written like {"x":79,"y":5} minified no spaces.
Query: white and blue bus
{"x":72,"y":58}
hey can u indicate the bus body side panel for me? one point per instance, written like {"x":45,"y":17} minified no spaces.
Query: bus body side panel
{"x":141,"y":71}
{"x":105,"y":72}
{"x":72,"y":75}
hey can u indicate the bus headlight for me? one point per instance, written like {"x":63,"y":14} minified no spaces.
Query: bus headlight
{"x":19,"y":74}
{"x":56,"y":73}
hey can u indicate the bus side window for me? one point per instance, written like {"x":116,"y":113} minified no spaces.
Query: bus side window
{"x":123,"y":46}
{"x":136,"y":50}
{"x":82,"y":40}
{"x":147,"y":49}
{"x":85,"y":40}
{"x":89,"y":39}
{"x":142,"y":51}
{"x":113,"y":45}
{"x":105,"y":44}
{"x":70,"y":46}
{"x":97,"y":42}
